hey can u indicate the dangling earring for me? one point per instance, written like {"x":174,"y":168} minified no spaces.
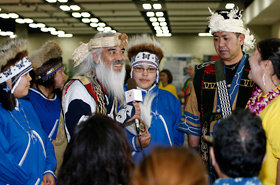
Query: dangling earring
{"x":263,"y":78}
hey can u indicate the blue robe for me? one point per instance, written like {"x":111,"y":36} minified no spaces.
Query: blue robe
{"x":24,"y":157}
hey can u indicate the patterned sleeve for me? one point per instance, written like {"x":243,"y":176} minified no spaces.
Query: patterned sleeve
{"x":190,"y":122}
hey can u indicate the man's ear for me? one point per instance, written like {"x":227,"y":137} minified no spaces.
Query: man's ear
{"x":95,"y":57}
{"x":241,"y":39}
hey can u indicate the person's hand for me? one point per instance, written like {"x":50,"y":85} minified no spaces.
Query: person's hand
{"x":181,"y":94}
{"x":48,"y":179}
{"x":137,"y":114}
{"x":145,"y":140}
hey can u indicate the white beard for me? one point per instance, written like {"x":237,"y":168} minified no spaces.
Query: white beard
{"x":111,"y":80}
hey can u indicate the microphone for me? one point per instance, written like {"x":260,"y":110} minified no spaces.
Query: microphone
{"x":133,"y":95}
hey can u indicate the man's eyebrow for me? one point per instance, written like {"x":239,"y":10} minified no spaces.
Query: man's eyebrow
{"x":111,"y":49}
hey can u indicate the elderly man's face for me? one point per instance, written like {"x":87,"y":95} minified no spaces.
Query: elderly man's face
{"x":113,"y":57}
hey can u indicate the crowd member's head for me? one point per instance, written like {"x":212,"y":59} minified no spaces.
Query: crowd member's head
{"x":14,"y":76}
{"x":98,"y":153}
{"x":145,"y":54}
{"x":166,"y":76}
{"x":191,"y":69}
{"x":239,"y":145}
{"x":103,"y":58}
{"x":229,"y":34}
{"x":48,"y":66}
{"x":170,"y":166}
{"x":265,"y":63}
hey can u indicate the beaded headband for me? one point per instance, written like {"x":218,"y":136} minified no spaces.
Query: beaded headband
{"x":145,"y":57}
{"x":107,"y":41}
{"x":234,"y":23}
{"x":51,"y":71}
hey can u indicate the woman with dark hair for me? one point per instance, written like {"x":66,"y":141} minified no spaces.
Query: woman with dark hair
{"x":26,"y":154}
{"x":265,"y":101}
{"x":166,"y":80}
{"x":49,"y":77}
{"x":97,"y":154}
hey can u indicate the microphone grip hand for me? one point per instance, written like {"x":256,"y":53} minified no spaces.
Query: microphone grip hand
{"x":145,"y":140}
{"x":137,"y":114}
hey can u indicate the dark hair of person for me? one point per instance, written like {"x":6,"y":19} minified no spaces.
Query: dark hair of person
{"x":270,"y":50}
{"x":7,"y":98}
{"x":166,"y":166}
{"x":240,"y":144}
{"x":98,"y":154}
{"x":169,"y":75}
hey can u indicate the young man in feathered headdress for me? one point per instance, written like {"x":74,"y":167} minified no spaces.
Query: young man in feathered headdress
{"x":220,"y":86}
{"x":160,"y":110}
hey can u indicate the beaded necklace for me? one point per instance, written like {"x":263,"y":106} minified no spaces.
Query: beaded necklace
{"x":256,"y":104}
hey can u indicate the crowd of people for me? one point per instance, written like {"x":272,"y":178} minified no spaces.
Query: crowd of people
{"x":85,"y":131}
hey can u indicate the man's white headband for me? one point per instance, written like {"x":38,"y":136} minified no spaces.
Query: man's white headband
{"x":218,"y":23}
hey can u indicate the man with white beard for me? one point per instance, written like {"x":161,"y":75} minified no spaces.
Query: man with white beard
{"x":98,"y":86}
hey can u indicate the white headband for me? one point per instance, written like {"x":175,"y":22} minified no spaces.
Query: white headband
{"x":218,"y":23}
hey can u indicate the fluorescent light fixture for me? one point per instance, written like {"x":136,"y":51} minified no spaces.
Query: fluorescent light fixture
{"x":164,"y":35}
{"x":101,"y":24}
{"x":76,"y":14}
{"x":157,"y":6}
{"x":27,"y":20}
{"x":205,"y":34}
{"x":113,"y":31}
{"x":85,"y":20}
{"x":159,"y":31}
{"x":13,"y":36}
{"x":157,"y":28}
{"x":33,"y":25}
{"x":164,"y":28}
{"x":147,"y":6}
{"x":66,"y":35}
{"x":20,"y":21}
{"x":41,"y":25}
{"x":9,"y":33}
{"x":93,"y":24}
{"x":61,"y":32}
{"x":44,"y":29}
{"x":13,"y":15}
{"x":75,"y":7}
{"x":165,"y":31}
{"x":64,"y":7}
{"x":163,"y":23}
{"x":54,"y":32}
{"x":161,"y":19}
{"x":51,"y":1}
{"x":94,"y":20}
{"x":159,"y":14}
{"x":51,"y":29}
{"x":100,"y":29}
{"x":229,"y":5}
{"x":155,"y":24}
{"x":4,"y":16}
{"x":63,"y":1}
{"x":150,"y":14}
{"x":85,"y":14}
{"x":153,"y":19}
{"x":107,"y":28}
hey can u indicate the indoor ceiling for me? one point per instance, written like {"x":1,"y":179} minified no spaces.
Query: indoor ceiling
{"x":128,"y":16}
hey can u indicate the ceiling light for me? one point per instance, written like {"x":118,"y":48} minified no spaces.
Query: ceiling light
{"x":54,"y":32}
{"x":157,"y":6}
{"x":161,"y":19}
{"x":164,"y":28}
{"x":66,"y":35}
{"x":93,"y":20}
{"x":64,"y":7}
{"x":13,"y":36}
{"x":93,"y":25}
{"x":159,"y":31}
{"x":13,"y":15}
{"x":63,"y":1}
{"x":205,"y":34}
{"x":157,"y":28}
{"x":75,"y":7}
{"x":85,"y":14}
{"x":61,"y":32}
{"x":100,"y":29}
{"x":9,"y":33}
{"x":51,"y":1}
{"x":51,"y":29}
{"x":28,"y":20}
{"x":165,"y":31}
{"x":229,"y":5}
{"x":76,"y":14}
{"x":150,"y":14}
{"x":155,"y":24}
{"x":33,"y":25}
{"x":147,"y":6}
{"x":101,"y":24}
{"x":153,"y":19}
{"x":164,"y":35}
{"x":4,"y":16}
{"x":159,"y":14}
{"x":44,"y":29}
{"x":20,"y":21}
{"x":113,"y":31}
{"x":107,"y":28}
{"x":85,"y":20}
{"x":163,"y":23}
{"x":41,"y":25}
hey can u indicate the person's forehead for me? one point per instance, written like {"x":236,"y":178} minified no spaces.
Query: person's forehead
{"x":223,"y":34}
{"x":113,"y":48}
